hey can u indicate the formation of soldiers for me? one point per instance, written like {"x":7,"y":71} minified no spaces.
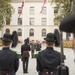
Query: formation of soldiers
{"x":48,"y":60}
{"x":11,"y":65}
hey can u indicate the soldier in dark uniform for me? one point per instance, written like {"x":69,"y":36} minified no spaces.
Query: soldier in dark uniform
{"x":25,"y":48}
{"x":28,"y":40}
{"x":48,"y":59}
{"x":14,"y":39}
{"x":9,"y":62}
{"x":68,"y":25}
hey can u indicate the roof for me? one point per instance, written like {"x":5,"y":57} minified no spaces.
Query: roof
{"x":18,"y":1}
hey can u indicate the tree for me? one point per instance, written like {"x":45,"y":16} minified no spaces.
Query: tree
{"x":65,"y":7}
{"x":6,"y":11}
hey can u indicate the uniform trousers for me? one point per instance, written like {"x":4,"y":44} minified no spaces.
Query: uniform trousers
{"x":25,"y":64}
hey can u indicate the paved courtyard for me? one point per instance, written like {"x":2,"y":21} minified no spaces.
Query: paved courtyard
{"x":32,"y":62}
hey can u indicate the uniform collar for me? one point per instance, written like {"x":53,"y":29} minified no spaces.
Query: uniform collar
{"x":5,"y":48}
{"x":48,"y":48}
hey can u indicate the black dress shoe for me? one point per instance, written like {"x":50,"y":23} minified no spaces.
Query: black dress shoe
{"x":24,"y":71}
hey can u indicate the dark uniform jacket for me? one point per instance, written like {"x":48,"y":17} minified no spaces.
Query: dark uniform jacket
{"x":8,"y":61}
{"x":25,"y":47}
{"x":48,"y":59}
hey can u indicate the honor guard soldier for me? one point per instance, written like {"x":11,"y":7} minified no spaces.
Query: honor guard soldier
{"x":9,"y":61}
{"x":28,"y":40}
{"x":25,"y":48}
{"x":14,"y":39}
{"x":68,"y":25}
{"x":48,"y":59}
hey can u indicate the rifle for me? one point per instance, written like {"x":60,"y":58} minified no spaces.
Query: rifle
{"x":62,"y":68}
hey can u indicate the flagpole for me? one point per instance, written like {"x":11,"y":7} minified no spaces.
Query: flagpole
{"x":21,"y":13}
{"x":45,"y":2}
{"x":23,"y":21}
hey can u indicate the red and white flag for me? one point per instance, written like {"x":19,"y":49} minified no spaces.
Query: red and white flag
{"x":22,"y":4}
{"x":21,"y":8}
{"x":43,"y":6}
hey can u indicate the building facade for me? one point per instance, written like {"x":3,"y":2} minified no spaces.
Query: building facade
{"x":31,"y":23}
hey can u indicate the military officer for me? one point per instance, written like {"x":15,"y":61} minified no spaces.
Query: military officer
{"x":9,"y":61}
{"x":48,"y":59}
{"x":25,"y":48}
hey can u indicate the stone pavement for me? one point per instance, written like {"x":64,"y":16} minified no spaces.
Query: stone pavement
{"x":32,"y":62}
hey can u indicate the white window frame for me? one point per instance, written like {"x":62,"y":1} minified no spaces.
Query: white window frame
{"x":31,"y":32}
{"x":44,"y":10}
{"x":19,"y":21}
{"x":44,"y":21}
{"x":31,"y":21}
{"x":19,"y":32}
{"x":43,"y":32}
{"x":32,"y":10}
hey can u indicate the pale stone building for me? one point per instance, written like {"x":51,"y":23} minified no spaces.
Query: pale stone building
{"x":31,"y":23}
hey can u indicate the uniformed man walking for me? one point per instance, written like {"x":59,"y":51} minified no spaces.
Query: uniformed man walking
{"x":48,"y":59}
{"x":9,"y":62}
{"x":25,"y":48}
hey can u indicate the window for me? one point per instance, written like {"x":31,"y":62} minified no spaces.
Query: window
{"x":19,"y":9}
{"x":43,"y":32}
{"x":44,"y":10}
{"x":31,"y":32}
{"x":19,"y":21}
{"x":31,"y":21}
{"x":55,"y":21}
{"x":31,"y":10}
{"x":55,"y":11}
{"x":19,"y":32}
{"x":7,"y":21}
{"x":44,"y":21}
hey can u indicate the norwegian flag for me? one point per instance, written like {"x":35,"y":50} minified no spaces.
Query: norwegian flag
{"x":21,"y":8}
{"x":22,"y":4}
{"x":43,"y":6}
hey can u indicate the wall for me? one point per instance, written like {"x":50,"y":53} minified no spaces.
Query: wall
{"x":26,"y":13}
